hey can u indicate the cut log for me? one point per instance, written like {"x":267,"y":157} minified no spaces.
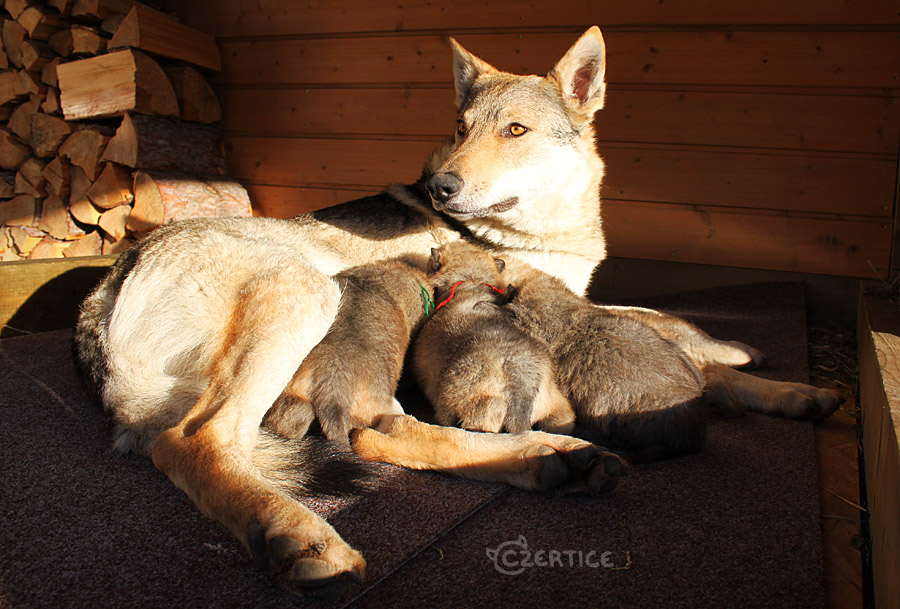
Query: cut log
{"x":12,"y":150}
{"x":78,"y":185}
{"x":160,"y":198}
{"x":54,"y":218}
{"x":51,"y":102}
{"x":35,"y":55}
{"x":11,"y":90}
{"x":85,"y":212}
{"x":112,"y":221}
{"x":148,"y":142}
{"x":40,"y":23}
{"x":98,"y":10}
{"x":116,"y":247}
{"x":30,"y":178}
{"x":4,"y":60}
{"x":20,"y":120}
{"x":90,"y":245}
{"x":48,"y":247}
{"x":112,"y":23}
{"x":47,"y":133}
{"x":112,"y":187}
{"x":7,"y":185}
{"x":13,"y":38}
{"x":155,"y":32}
{"x":19,"y":211}
{"x":48,"y":72}
{"x":15,"y":7}
{"x":63,"y":6}
{"x":84,"y":147}
{"x":196,"y":99}
{"x":59,"y":176}
{"x":24,"y":239}
{"x":61,"y":42}
{"x":31,"y":83}
{"x":78,"y":40}
{"x":87,"y":41}
{"x":115,"y":83}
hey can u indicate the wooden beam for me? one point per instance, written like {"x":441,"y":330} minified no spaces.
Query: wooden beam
{"x":879,"y":384}
{"x":44,"y":295}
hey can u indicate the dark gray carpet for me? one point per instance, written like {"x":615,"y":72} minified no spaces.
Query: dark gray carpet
{"x":736,"y":526}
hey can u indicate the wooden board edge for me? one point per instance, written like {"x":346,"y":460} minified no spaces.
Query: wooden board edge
{"x":44,"y":295}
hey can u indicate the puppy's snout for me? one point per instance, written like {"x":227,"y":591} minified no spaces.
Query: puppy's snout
{"x":444,"y":186}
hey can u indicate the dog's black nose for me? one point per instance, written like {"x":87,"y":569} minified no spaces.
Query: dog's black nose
{"x":444,"y":186}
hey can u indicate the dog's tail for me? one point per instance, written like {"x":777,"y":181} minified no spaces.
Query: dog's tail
{"x":311,"y":465}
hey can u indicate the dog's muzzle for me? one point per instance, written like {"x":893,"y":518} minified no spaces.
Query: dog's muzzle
{"x":444,"y":186}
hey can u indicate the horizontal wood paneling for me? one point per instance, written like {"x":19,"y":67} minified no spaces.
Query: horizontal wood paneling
{"x":749,"y":118}
{"x":288,"y":17}
{"x":833,"y":246}
{"x":818,"y":58}
{"x":680,"y":175}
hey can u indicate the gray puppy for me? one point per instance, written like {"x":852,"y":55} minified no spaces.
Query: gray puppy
{"x":476,"y":367}
{"x":348,"y":380}
{"x":631,"y":388}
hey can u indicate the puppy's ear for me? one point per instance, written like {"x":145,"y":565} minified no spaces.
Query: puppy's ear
{"x":466,"y":69}
{"x":435,"y":264}
{"x":511,"y":292}
{"x":501,"y":264}
{"x":581,"y":73}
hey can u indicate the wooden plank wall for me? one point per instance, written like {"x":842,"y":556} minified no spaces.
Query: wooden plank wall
{"x":768,"y":142}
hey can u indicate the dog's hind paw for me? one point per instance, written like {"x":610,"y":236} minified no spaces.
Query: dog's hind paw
{"x":319,"y":565}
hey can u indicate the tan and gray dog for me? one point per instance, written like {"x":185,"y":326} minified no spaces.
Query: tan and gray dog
{"x":477,"y":368}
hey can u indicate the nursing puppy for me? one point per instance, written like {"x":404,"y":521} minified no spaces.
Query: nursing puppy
{"x":348,"y":380}
{"x":631,"y":388}
{"x":478,"y":369}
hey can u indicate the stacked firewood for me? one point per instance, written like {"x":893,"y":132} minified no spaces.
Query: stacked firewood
{"x":105,"y":127}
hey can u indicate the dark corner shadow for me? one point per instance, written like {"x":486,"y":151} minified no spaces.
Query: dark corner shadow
{"x":55,"y":304}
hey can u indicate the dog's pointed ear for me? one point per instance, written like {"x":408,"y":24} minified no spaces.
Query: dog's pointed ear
{"x":466,"y":69}
{"x":581,"y":74}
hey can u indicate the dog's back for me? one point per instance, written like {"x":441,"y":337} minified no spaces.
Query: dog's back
{"x":654,"y":410}
{"x":477,"y":369}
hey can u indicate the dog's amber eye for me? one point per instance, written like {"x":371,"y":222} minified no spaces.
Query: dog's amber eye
{"x":461,"y":128}
{"x":516,"y":130}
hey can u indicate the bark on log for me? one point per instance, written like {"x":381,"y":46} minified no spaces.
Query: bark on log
{"x":149,"y":142}
{"x":115,"y":83}
{"x":160,"y":198}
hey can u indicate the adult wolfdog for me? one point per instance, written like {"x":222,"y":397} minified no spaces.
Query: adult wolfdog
{"x":199,"y":329}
